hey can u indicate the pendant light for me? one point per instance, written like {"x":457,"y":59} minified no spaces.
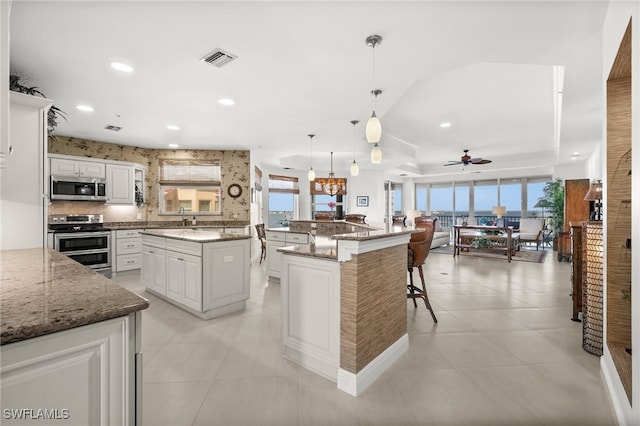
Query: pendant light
{"x":354,"y":166}
{"x":376,"y":154}
{"x":373,"y":130}
{"x":332,"y":186}
{"x":312,"y":173}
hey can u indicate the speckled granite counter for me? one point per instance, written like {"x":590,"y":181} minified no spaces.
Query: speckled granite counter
{"x":143,"y":224}
{"x":43,"y":291}
{"x":196,"y":235}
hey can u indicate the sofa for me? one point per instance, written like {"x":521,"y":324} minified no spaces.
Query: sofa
{"x":441,"y":236}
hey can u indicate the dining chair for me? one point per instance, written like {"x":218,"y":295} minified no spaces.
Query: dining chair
{"x":262,"y":236}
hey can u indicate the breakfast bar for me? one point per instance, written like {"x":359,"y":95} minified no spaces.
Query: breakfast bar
{"x":344,"y":305}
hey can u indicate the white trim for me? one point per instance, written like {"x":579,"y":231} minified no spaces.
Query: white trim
{"x":347,"y":248}
{"x":355,"y":384}
{"x":617,"y":394}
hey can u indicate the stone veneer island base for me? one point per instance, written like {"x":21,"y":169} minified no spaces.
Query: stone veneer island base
{"x":344,"y":305}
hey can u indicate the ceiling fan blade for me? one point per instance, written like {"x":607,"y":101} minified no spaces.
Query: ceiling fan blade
{"x":480,"y":161}
{"x":453,"y":163}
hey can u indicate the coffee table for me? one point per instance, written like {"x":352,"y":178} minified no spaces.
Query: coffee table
{"x":501,"y":238}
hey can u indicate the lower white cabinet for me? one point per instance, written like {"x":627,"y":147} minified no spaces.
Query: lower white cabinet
{"x":128,"y":245}
{"x":89,"y":375}
{"x":206,"y":279}
{"x":154,"y":271}
{"x":184,"y":284}
{"x":277,"y":239}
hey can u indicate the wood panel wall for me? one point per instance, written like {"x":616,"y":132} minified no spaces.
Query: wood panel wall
{"x":618,"y":211}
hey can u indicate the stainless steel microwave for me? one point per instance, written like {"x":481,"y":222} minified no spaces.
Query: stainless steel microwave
{"x":77,"y":188}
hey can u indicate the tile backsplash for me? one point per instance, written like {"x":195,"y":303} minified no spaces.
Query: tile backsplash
{"x":235,"y":169}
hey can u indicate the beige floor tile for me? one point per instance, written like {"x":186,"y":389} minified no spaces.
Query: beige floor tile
{"x":172,"y":404}
{"x":504,"y":352}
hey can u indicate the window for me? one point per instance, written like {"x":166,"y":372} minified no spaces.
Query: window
{"x":511,"y":196}
{"x":320,"y":203}
{"x":396,"y":194}
{"x":192,"y":185}
{"x":283,"y":200}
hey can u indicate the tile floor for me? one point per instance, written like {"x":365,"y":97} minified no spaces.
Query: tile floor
{"x":504,"y":352}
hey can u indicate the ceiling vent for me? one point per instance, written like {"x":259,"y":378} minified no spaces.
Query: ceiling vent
{"x":219,"y":58}
{"x":113,"y":128}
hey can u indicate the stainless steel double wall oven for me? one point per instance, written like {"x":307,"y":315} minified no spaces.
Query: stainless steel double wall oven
{"x":84,"y":239}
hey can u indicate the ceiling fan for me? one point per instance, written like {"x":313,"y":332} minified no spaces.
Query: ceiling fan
{"x":466,"y":160}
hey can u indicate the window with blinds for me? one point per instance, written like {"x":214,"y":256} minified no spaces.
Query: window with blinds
{"x":190,"y":187}
{"x":283,"y":184}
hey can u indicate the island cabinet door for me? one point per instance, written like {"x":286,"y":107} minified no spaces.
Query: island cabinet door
{"x":154,"y":269}
{"x":226,"y":273}
{"x":184,"y":279}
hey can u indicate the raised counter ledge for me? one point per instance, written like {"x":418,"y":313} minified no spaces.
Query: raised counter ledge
{"x":43,"y":292}
{"x":196,"y":235}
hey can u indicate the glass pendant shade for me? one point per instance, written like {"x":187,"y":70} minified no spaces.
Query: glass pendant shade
{"x":376,"y":154}
{"x":354,"y":168}
{"x":311,"y":175}
{"x":373,"y":130}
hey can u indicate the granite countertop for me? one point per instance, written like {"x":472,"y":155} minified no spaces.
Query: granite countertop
{"x":172,"y":224}
{"x":323,"y":247}
{"x":198,"y":235}
{"x":374,"y":234}
{"x":43,"y":291}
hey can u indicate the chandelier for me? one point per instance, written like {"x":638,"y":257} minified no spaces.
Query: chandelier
{"x":332,"y":185}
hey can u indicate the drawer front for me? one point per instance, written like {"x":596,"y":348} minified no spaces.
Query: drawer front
{"x":149,"y":240}
{"x":236,"y":231}
{"x":128,"y":262}
{"x":276,"y":236}
{"x":186,"y":247}
{"x":127,"y":233}
{"x":128,"y":246}
{"x":298,"y":238}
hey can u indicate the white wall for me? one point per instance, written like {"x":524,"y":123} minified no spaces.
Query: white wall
{"x":618,"y":16}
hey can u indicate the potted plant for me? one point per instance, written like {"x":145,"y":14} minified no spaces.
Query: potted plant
{"x":554,"y":200}
{"x":18,"y":84}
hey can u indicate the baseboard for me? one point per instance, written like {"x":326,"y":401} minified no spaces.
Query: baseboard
{"x":355,"y":384}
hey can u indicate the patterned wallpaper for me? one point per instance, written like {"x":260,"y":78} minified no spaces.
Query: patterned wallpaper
{"x":235,"y":169}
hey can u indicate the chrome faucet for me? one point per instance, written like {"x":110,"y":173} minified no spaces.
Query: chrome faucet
{"x":181,"y":211}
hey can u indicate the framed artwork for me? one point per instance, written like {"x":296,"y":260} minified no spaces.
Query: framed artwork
{"x":362,"y":201}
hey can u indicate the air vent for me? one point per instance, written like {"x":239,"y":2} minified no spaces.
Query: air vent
{"x":113,"y":128}
{"x":218,"y":58}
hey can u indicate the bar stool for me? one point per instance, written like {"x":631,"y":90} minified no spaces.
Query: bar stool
{"x":417,"y":254}
{"x":262,"y":236}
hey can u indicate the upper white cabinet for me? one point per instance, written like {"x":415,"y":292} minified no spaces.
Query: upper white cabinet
{"x":22,"y":180}
{"x":124,"y":180}
{"x":120,"y":184}
{"x":77,"y":168}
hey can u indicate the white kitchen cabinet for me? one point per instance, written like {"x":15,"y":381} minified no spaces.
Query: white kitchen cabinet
{"x":120,"y":184}
{"x":23,"y":180}
{"x":77,"y":168}
{"x":154,"y":270}
{"x":86,"y":375}
{"x":277,"y":239}
{"x":128,"y":249}
{"x":207,"y":279}
{"x":184,"y":284}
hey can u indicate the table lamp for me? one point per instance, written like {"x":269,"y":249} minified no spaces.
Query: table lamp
{"x":499,"y":211}
{"x":595,"y":194}
{"x":411,"y":215}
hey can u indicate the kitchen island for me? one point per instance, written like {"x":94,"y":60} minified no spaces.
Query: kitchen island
{"x":201,"y":271}
{"x":70,"y":342}
{"x":344,"y":305}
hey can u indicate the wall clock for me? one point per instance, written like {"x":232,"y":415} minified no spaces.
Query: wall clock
{"x":234,"y":190}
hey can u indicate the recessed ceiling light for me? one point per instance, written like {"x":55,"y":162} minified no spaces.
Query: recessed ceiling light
{"x":172,"y":127}
{"x":574,"y":158}
{"x":173,"y":145}
{"x":576,"y":154}
{"x":121,"y":67}
{"x":226,"y":101}
{"x":445,"y":124}
{"x":85,"y":108}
